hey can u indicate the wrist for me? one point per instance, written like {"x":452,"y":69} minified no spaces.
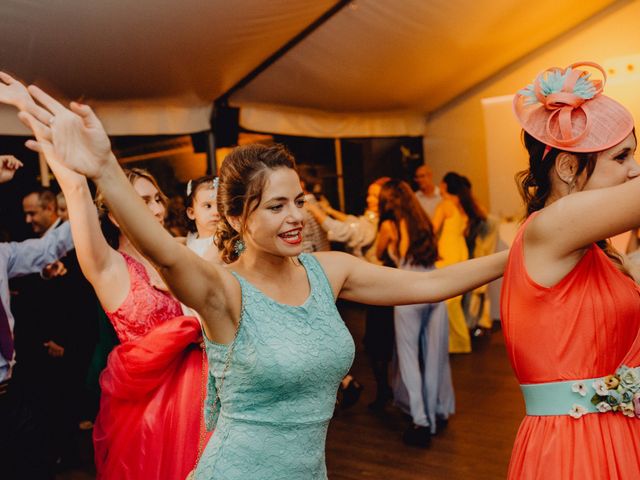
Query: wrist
{"x":108,"y":171}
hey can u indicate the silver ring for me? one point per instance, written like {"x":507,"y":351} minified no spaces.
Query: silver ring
{"x":51,"y":120}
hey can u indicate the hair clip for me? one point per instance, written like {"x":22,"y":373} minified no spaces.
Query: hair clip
{"x":214,"y":188}
{"x":189,"y":186}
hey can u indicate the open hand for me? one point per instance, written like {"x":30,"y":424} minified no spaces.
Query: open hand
{"x":70,"y":138}
{"x":8,"y":167}
{"x":12,"y":92}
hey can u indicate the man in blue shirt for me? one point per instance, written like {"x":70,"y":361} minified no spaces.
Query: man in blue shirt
{"x":22,"y":454}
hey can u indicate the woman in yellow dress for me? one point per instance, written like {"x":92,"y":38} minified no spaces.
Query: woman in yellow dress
{"x":450,"y":223}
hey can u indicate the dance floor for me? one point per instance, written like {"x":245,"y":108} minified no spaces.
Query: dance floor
{"x":364,"y":445}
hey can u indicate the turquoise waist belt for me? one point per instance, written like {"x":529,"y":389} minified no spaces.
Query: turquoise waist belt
{"x":619,"y":392}
{"x":559,"y":398}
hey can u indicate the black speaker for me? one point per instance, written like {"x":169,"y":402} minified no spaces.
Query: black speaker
{"x":226,"y":126}
{"x":200,"y":142}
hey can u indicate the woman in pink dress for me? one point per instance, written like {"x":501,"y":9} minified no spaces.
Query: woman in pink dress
{"x":570,"y":308}
{"x":150,"y":423}
{"x":152,"y":379}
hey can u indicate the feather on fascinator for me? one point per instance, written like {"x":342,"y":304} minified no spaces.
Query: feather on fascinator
{"x":565,"y":109}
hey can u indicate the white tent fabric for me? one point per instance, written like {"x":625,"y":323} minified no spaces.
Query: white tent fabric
{"x":167,"y":61}
{"x":313,"y":123}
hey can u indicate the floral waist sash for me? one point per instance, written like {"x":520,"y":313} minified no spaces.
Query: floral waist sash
{"x":614,"y":393}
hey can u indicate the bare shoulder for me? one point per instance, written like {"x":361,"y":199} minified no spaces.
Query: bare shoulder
{"x":547,"y":225}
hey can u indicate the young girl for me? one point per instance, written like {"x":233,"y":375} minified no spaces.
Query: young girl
{"x":202,"y":213}
{"x":276,"y":344}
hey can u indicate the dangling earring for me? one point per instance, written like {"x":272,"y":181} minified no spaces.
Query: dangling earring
{"x":572,"y":184}
{"x":239,"y":247}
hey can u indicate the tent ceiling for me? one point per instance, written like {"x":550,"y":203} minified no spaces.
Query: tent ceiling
{"x":411,"y":54}
{"x":372,"y":56}
{"x":119,"y":49}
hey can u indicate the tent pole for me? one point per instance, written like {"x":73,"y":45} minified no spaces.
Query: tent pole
{"x":44,"y":171}
{"x":212,"y":167}
{"x":338,"y":150}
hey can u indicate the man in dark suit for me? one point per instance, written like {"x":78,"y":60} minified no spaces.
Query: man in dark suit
{"x":22,"y":449}
{"x":56,"y":332}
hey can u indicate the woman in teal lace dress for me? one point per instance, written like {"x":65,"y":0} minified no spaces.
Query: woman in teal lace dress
{"x":277,"y":347}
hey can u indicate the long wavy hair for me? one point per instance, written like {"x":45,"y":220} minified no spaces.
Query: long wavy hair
{"x":242,"y":179}
{"x":399,"y":205}
{"x":460,"y":186}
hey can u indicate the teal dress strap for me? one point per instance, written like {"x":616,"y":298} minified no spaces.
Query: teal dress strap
{"x":317,"y":277}
{"x":212,"y":402}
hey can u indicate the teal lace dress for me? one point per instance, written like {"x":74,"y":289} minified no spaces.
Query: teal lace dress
{"x":280,"y":387}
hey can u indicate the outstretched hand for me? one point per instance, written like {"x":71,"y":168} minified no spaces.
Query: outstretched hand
{"x":14,"y":93}
{"x":8,"y":166}
{"x":71,"y":138}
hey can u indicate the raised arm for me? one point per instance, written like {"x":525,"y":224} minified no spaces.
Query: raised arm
{"x":105,"y":269}
{"x":577,"y":220}
{"x":356,"y":280}
{"x":75,"y":139}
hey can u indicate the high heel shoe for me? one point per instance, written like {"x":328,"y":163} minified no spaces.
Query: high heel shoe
{"x":350,"y":393}
{"x":417,"y":436}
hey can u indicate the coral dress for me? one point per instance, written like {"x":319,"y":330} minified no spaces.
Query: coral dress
{"x":149,"y":423}
{"x":452,"y":248}
{"x":584,"y":327}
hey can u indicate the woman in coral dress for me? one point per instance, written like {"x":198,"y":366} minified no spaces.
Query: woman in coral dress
{"x":570,"y":309}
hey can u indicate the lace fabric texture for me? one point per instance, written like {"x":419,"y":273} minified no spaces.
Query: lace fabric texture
{"x":280,"y":388}
{"x":145,"y":306}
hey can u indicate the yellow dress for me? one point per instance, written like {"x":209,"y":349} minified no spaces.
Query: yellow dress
{"x":452,"y":248}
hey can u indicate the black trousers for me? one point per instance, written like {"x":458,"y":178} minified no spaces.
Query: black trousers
{"x":23,"y":440}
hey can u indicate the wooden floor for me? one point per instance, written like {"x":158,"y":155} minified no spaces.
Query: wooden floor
{"x":476,"y":445}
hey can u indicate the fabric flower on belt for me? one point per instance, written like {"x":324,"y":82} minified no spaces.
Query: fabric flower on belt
{"x":611,"y":381}
{"x":630,"y":378}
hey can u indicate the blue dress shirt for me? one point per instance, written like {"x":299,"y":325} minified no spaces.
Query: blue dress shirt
{"x":23,"y":258}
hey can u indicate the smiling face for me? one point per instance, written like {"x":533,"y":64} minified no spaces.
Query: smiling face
{"x":204,"y":211}
{"x":614,"y":166}
{"x":275,"y":226}
{"x":38,"y":214}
